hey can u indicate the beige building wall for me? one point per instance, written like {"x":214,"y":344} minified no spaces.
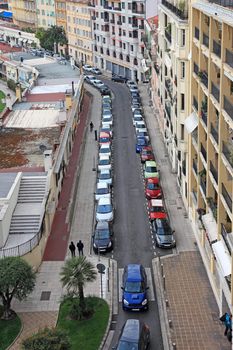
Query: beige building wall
{"x":24,"y":13}
{"x":211,"y":143}
{"x":79,"y":31}
{"x":60,"y":10}
{"x":45,"y":13}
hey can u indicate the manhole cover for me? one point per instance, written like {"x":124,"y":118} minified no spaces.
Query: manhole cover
{"x":45,"y":296}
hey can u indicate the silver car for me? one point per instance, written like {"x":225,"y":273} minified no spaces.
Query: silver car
{"x":104,"y":210}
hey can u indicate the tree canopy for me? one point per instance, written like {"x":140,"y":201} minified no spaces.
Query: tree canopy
{"x":53,"y":35}
{"x":17,"y":280}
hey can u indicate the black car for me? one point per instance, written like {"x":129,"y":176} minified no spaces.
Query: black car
{"x":104,"y":90}
{"x":135,"y":95}
{"x":163,"y":233}
{"x":102,"y":238}
{"x":134,"y":335}
{"x":119,"y":79}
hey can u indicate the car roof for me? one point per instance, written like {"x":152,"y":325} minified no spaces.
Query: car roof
{"x":147,"y":148}
{"x":152,"y":180}
{"x":134,"y":272}
{"x":103,"y":156}
{"x":104,"y":134}
{"x":105,"y":146}
{"x":131,"y":330}
{"x":102,"y":185}
{"x":156,"y":202}
{"x":104,"y":201}
{"x":102,"y":225}
{"x":104,"y":171}
{"x":91,"y":77}
{"x":150,"y":163}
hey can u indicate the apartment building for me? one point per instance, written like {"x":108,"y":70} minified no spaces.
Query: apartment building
{"x":172,"y":85}
{"x":79,"y":33}
{"x":45,"y":13}
{"x":60,"y":10}
{"x":24,"y":13}
{"x":117,"y":31}
{"x":210,"y":128}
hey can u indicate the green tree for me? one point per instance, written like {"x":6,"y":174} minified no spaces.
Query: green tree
{"x":47,"y":339}
{"x":53,"y":35}
{"x":75,"y":274}
{"x":17,"y":280}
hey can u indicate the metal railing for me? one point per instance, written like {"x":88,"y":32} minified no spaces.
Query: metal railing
{"x":197,"y":33}
{"x":215,"y":91}
{"x":168,"y":109}
{"x":214,"y":132}
{"x":195,"y":103}
{"x":216,"y":48}
{"x":203,"y":185}
{"x":226,"y":3}
{"x":214,"y":172}
{"x":205,"y":40}
{"x":204,"y":116}
{"x":224,"y":234}
{"x":228,"y":106}
{"x":204,"y":79}
{"x":195,"y":68}
{"x":227,"y":197}
{"x":229,"y":57}
{"x":181,"y":14}
{"x":203,"y":152}
{"x":195,"y":166}
{"x":227,"y":153}
{"x":195,"y":135}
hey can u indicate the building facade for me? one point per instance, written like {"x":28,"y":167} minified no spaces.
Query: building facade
{"x":24,"y":13}
{"x":79,"y":33}
{"x":210,"y":128}
{"x":117,"y":34}
{"x":45,"y":13}
{"x":173,"y":83}
{"x":60,"y":10}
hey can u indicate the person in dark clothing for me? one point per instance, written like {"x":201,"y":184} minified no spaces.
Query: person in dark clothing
{"x":91,"y":126}
{"x":80,"y":247}
{"x":228,"y":323}
{"x":72,"y":249}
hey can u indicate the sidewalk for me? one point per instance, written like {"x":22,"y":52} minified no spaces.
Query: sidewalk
{"x":192,"y":309}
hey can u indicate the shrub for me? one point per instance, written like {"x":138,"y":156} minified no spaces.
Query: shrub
{"x":48,"y":339}
{"x":11,"y":84}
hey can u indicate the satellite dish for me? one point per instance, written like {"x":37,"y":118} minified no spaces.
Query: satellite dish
{"x":42,"y":148}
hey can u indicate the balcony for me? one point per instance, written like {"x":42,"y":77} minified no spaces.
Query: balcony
{"x":203,"y":186}
{"x":214,"y":172}
{"x":195,"y":103}
{"x":195,"y":68}
{"x":228,"y":106}
{"x":205,"y":40}
{"x":216,"y":48}
{"x":197,"y":33}
{"x":214,"y":132}
{"x":195,"y":166}
{"x":227,"y":197}
{"x":168,"y":36}
{"x":213,"y":206}
{"x":168,"y":109}
{"x":106,"y":20}
{"x":228,"y":153}
{"x":203,"y":152}
{"x":229,"y":58}
{"x":138,"y":11}
{"x":204,"y":79}
{"x":179,"y":13}
{"x":204,"y":116}
{"x":215,"y":91}
{"x":195,"y":136}
{"x":225,"y":234}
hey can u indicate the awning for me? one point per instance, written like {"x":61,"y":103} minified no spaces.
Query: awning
{"x":210,"y":226}
{"x":191,"y":122}
{"x":223,"y":257}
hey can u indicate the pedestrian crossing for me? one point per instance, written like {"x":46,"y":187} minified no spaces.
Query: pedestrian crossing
{"x":151,"y":295}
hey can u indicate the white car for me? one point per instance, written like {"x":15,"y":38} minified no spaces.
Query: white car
{"x":136,"y":106}
{"x":89,"y":78}
{"x":104,"y":162}
{"x":105,"y":176}
{"x":87,"y":68}
{"x":131,"y":83}
{"x":106,"y":112}
{"x":102,"y":191}
{"x":104,"y":210}
{"x":107,"y":121}
{"x":98,"y":83}
{"x":140,"y":125}
{"x":137,"y":118}
{"x":133,"y":89}
{"x":143,"y":133}
{"x":105,"y":150}
{"x":106,"y":98}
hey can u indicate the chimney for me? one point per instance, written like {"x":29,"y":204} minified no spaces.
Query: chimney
{"x":18,"y":92}
{"x":47,"y":160}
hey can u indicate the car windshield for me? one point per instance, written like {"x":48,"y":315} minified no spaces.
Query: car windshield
{"x":104,"y":139}
{"x":102,"y":234}
{"x":125,"y":345}
{"x":104,"y":162}
{"x":104,"y":176}
{"x":134,"y":287}
{"x":157,"y":210}
{"x":141,"y":142}
{"x":102,"y":191}
{"x":141,"y":133}
{"x":104,"y":209}
{"x":107,"y":112}
{"x":104,"y":150}
{"x":164,"y":232}
{"x":152,"y":186}
{"x":151,"y":169}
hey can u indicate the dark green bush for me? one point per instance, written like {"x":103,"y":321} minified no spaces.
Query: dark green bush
{"x":48,"y":339}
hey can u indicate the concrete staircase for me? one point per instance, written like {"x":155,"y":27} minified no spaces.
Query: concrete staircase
{"x":32,"y":189}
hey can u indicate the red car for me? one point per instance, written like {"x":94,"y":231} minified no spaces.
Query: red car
{"x":152,"y":188}
{"x":156,"y":209}
{"x":147,"y":154}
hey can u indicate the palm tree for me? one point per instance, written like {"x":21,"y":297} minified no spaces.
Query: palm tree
{"x":75,"y":274}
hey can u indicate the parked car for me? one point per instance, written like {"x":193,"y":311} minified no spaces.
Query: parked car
{"x":107,"y":99}
{"x":135,"y":335}
{"x":143,"y":133}
{"x":104,"y":138}
{"x":150,"y":169}
{"x":102,"y":191}
{"x":131,"y":83}
{"x":140,"y":125}
{"x":106,"y":128}
{"x":105,"y":150}
{"x":133,"y":89}
{"x":140,"y":143}
{"x":104,"y":90}
{"x":134,"y":287}
{"x":136,"y":106}
{"x":156,"y":209}
{"x":119,"y":79}
{"x":102,"y":238}
{"x":87,"y":68}
{"x":107,"y":121}
{"x":137,"y":118}
{"x":106,"y":105}
{"x":96,"y":71}
{"x":98,"y":83}
{"x":106,"y":112}
{"x":104,"y":162}
{"x":135,"y":100}
{"x":104,"y":210}
{"x":164,"y":235}
{"x":152,"y":188}
{"x":147,"y":154}
{"x":105,"y":175}
{"x":89,"y":79}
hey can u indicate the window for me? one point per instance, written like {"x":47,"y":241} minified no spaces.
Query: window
{"x":129,"y":6}
{"x":182,"y":37}
{"x":131,"y":47}
{"x":123,"y":19}
{"x":182,"y":70}
{"x":123,"y":5}
{"x":124,"y":33}
{"x":182,"y":104}
{"x":129,"y":20}
{"x":124,"y":46}
{"x":182,"y":132}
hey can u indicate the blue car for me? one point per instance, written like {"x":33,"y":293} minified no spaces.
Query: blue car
{"x":140,"y":143}
{"x":134,"y":296}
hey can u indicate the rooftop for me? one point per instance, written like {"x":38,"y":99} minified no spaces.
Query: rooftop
{"x":219,"y":12}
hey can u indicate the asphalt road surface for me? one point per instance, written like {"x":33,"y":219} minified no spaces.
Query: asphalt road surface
{"x":131,"y":227}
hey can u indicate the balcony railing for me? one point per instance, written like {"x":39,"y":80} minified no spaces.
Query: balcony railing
{"x":204,"y":116}
{"x":216,"y":48}
{"x":203,"y":152}
{"x":205,"y":40}
{"x":229,"y":57}
{"x":226,"y":3}
{"x":181,"y":14}
{"x":227,"y":153}
{"x":168,"y":36}
{"x":213,"y":206}
{"x":227,"y":197}
{"x":215,"y":91}
{"x":214,"y":132}
{"x":228,"y":106}
{"x":197,"y":33}
{"x":204,"y":79}
{"x":214,"y":172}
{"x":168,"y":109}
{"x":224,"y":236}
{"x":195,"y":68}
{"x":203,"y":186}
{"x":195,"y":135}
{"x":195,"y":166}
{"x":195,"y":103}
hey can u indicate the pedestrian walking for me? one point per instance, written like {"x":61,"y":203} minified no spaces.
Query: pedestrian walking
{"x":227,"y":319}
{"x":91,"y":126}
{"x":80,"y":247}
{"x":72,"y":249}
